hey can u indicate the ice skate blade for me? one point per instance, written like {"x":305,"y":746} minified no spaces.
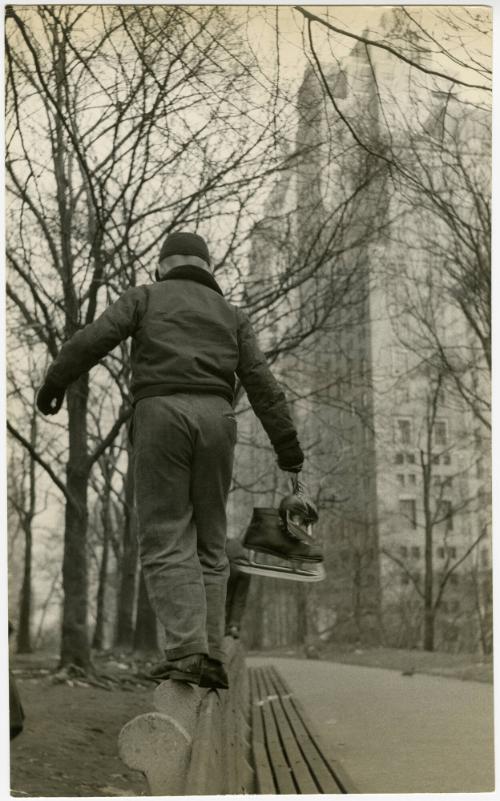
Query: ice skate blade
{"x":289,"y":574}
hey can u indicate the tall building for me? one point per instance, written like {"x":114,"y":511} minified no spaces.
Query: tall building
{"x":396,"y":457}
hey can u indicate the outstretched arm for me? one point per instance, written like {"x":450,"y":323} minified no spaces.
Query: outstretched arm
{"x":267,"y":398}
{"x":85,"y":348}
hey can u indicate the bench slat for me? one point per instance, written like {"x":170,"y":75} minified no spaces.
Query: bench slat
{"x":341,"y":777}
{"x":263,"y":772}
{"x":302,"y":775}
{"x":324,"y":777}
{"x":279,"y":764}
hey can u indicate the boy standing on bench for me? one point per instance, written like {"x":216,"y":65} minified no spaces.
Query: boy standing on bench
{"x":188,"y":343}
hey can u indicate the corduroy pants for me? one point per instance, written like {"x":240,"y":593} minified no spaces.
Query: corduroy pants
{"x":183,"y":461}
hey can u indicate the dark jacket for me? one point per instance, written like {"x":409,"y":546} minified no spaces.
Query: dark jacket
{"x":185,"y":338}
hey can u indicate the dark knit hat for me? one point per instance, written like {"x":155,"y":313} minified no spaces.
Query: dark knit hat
{"x":182,"y":243}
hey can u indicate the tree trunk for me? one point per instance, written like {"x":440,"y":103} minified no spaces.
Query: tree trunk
{"x":23,"y":640}
{"x":146,"y":633}
{"x":482,"y":614}
{"x":74,"y":641}
{"x":98,"y":638}
{"x":428,"y":629}
{"x":124,"y":637}
{"x":429,"y":610}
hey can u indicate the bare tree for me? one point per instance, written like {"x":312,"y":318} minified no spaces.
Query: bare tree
{"x":22,"y":500}
{"x":128,"y":560}
{"x":121,"y":147}
{"x":436,"y":146}
{"x":445,"y":500}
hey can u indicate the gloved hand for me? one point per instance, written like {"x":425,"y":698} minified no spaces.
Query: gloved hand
{"x":50,"y":398}
{"x":291,"y":458}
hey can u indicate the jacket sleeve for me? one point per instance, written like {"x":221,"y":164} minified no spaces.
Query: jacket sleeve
{"x":265,"y":394}
{"x":85,"y":348}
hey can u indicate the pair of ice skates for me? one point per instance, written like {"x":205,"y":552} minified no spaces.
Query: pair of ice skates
{"x":279,"y":542}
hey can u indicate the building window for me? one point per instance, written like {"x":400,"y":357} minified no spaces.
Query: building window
{"x":446,"y":458}
{"x":452,"y":551}
{"x":435,"y":459}
{"x":446,"y":514}
{"x":454,"y":579}
{"x":436,"y":479}
{"x":401,"y":479}
{"x":412,"y":479}
{"x":408,"y":509}
{"x":399,"y":458}
{"x":410,"y":458}
{"x":441,"y":432}
{"x":440,"y":552}
{"x":403,"y":550}
{"x":415,"y":551}
{"x":485,"y":557}
{"x":403,"y":431}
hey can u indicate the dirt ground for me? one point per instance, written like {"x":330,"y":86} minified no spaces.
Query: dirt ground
{"x":69,"y":745}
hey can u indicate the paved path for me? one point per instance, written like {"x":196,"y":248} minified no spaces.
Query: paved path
{"x":395,"y":733}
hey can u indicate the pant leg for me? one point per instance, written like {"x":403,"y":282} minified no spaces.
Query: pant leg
{"x":164,"y":438}
{"x":236,"y":608}
{"x":211,"y":479}
{"x":230,"y":591}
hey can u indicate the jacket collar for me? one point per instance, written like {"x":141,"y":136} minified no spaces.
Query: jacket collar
{"x":188,"y":272}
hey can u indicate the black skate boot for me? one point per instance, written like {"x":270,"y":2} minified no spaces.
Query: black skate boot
{"x":285,"y":556}
{"x":267,"y":533}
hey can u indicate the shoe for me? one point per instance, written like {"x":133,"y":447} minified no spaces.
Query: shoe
{"x":214,"y":674}
{"x":267,"y":533}
{"x":187,"y":669}
{"x":159,"y":673}
{"x":233,"y":631}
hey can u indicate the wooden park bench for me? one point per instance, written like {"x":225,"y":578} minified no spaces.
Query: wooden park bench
{"x":253,"y":738}
{"x":288,"y":754}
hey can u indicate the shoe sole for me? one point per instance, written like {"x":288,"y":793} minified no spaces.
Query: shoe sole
{"x":179,"y":675}
{"x":213,"y":685}
{"x":285,"y":556}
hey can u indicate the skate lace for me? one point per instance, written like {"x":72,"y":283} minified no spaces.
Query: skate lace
{"x":298,"y":487}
